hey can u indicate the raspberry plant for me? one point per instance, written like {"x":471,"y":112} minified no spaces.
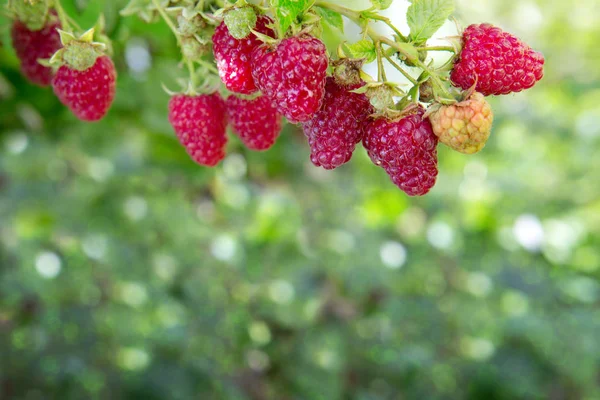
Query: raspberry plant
{"x":268,"y":59}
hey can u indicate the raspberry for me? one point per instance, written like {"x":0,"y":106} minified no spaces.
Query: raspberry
{"x":199,"y":123}
{"x":406,"y":149}
{"x":89,"y":93}
{"x":497,"y":61}
{"x":233,"y":56}
{"x":416,"y":179}
{"x":256,"y":121}
{"x":31,"y":46}
{"x":465,"y":126}
{"x":292,"y":75}
{"x":335,"y":130}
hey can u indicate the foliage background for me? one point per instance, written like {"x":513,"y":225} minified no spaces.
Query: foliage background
{"x":126,"y":271}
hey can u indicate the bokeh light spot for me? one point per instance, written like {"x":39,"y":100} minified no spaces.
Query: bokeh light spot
{"x":133,"y":359}
{"x":136,"y":208}
{"x":223,"y":248}
{"x":259,"y":333}
{"x":281,"y":292}
{"x":440,"y":235}
{"x":95,"y":246}
{"x":479,"y":284}
{"x":48,"y":264}
{"x":529,"y":232}
{"x":393,"y":255}
{"x":16,"y":143}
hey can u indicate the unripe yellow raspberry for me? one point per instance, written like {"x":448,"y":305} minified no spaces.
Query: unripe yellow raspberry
{"x":465,"y":126}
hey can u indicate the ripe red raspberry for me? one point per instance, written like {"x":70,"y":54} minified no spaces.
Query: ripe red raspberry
{"x":89,"y":93}
{"x":498,"y":61}
{"x":256,"y":121}
{"x":416,"y":179}
{"x":31,"y":46}
{"x":199,"y":123}
{"x":233,"y":56}
{"x":406,"y":149}
{"x":292,"y":75}
{"x":338,"y":126}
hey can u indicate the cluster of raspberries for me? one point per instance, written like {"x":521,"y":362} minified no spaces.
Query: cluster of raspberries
{"x":289,"y":79}
{"x":87,"y":93}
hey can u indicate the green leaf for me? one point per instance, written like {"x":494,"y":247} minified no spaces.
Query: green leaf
{"x":425,"y":17}
{"x":381,"y":4}
{"x":287,"y":11}
{"x":331,"y":18}
{"x":363,"y":49}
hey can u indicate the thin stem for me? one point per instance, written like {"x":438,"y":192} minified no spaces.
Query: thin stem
{"x":350,"y":14}
{"x":377,"y":37}
{"x":399,"y":68}
{"x":189,"y":63}
{"x":435,"y":78}
{"x":356,"y":17}
{"x":390,"y":52}
{"x":168,"y":20}
{"x":437,"y":48}
{"x":448,"y":65}
{"x":433,"y":75}
{"x":192,"y":70}
{"x":381,"y":76}
{"x":62,"y":16}
{"x":171,"y":25}
{"x":209,"y":66}
{"x":387,"y":21}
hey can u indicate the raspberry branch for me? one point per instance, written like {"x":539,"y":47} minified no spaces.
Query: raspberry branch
{"x":399,"y":68}
{"x":385,"y":20}
{"x":167,"y":20}
{"x":268,"y":75}
{"x":380,"y":67}
{"x":437,"y":48}
{"x":189,"y":64}
{"x":399,"y":46}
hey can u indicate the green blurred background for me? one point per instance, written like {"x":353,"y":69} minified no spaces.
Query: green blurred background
{"x":128,"y":272}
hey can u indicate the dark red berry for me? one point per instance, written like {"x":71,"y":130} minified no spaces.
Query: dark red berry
{"x":418,"y":178}
{"x":292,"y":74}
{"x":338,"y":126}
{"x":90,"y":93}
{"x":497,"y":61}
{"x":32,"y":46}
{"x":256,"y":121}
{"x":406,"y":149}
{"x":200,"y":123}
{"x":233,"y":56}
